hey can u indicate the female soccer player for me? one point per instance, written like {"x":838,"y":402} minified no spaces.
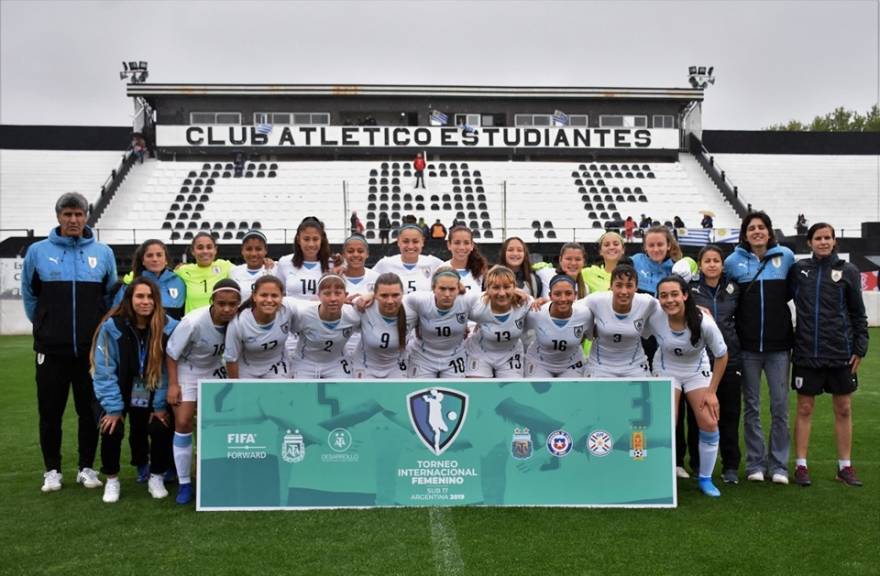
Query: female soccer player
{"x":683,"y":333}
{"x":194,"y":351}
{"x":255,"y":252}
{"x":358,"y":278}
{"x":830,"y":340}
{"x":611,"y":251}
{"x":324,"y":328}
{"x":718,"y":294}
{"x":514,"y":254}
{"x":559,"y":327}
{"x":255,"y":337}
{"x":620,"y":317}
{"x":496,"y":349}
{"x":760,"y":267}
{"x":206,"y":271}
{"x":572,"y":258}
{"x":438,"y":349}
{"x":151,"y":261}
{"x":381,"y":352}
{"x":661,"y":251}
{"x":310,"y":260}
{"x":128,"y":353}
{"x":466,"y":258}
{"x":414,"y":269}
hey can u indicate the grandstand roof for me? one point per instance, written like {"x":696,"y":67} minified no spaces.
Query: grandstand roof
{"x":513,"y":92}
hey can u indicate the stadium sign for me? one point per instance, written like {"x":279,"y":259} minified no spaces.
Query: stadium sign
{"x":266,"y":136}
{"x":268,"y":445}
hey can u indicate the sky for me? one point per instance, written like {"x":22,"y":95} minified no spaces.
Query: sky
{"x":774,"y":60}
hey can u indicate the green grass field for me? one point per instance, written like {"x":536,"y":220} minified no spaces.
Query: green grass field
{"x":828,"y":528}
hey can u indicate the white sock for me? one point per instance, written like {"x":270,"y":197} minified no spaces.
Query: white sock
{"x":841,"y":464}
{"x":183,"y":455}
{"x":708,"y":449}
{"x":800,"y":462}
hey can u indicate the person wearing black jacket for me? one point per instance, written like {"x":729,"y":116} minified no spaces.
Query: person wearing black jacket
{"x":720,"y":295}
{"x":831,"y":338}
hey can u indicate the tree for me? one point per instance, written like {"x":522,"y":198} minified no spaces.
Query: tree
{"x":840,"y":120}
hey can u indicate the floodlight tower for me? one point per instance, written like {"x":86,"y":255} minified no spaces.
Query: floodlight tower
{"x":700,"y":78}
{"x":136,"y":73}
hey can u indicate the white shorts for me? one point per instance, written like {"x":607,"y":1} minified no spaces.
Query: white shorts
{"x":454,"y":366}
{"x":495,"y":365}
{"x":339,"y":369}
{"x":536,"y":369}
{"x":690,"y":382}
{"x":605,"y":371}
{"x":278,"y":371}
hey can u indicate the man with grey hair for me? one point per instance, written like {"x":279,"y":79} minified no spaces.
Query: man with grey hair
{"x":66,"y":285}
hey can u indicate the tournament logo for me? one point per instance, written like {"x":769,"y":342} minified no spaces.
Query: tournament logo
{"x":638,"y":447}
{"x":93,"y":261}
{"x":339,"y":440}
{"x":599,"y":443}
{"x":172,"y":292}
{"x":437,"y":415}
{"x":293,"y":449}
{"x":836,"y":275}
{"x":559,"y":443}
{"x":461,"y":317}
{"x":521,"y":445}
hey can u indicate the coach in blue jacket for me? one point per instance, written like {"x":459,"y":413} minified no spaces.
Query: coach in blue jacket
{"x":760,"y":267}
{"x":65,"y":285}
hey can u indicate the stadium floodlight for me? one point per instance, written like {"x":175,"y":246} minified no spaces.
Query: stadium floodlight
{"x":692,"y":70}
{"x":142,"y":65}
{"x":124,"y":66}
{"x":700,"y":77}
{"x":132,"y":65}
{"x":136,"y":72}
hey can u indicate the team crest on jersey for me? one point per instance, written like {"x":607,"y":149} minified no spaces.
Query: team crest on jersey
{"x":777,"y":261}
{"x":215,"y":269}
{"x":639,"y":324}
{"x":578,"y":331}
{"x":437,"y":415}
{"x":293,"y":448}
{"x":599,"y":443}
{"x":346,"y":332}
{"x":836,"y":275}
{"x":426,"y":272}
{"x":521,"y":445}
{"x":93,"y":261}
{"x":461,"y":317}
{"x":519,"y":323}
{"x":172,"y":292}
{"x":285,"y":328}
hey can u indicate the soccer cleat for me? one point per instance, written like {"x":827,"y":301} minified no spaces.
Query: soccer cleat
{"x":730,"y":476}
{"x":848,"y":476}
{"x":780,"y":478}
{"x":756,"y":476}
{"x":680,"y":472}
{"x":111,"y":491}
{"x":802,"y":476}
{"x":51,"y":481}
{"x":143,"y":473}
{"x":707,"y":488}
{"x":184,"y":494}
{"x":156,"y":486}
{"x":88,"y":478}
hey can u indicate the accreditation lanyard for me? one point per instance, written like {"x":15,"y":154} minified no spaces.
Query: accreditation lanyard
{"x":140,"y":396}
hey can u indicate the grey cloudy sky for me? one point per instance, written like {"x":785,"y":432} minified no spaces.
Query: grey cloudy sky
{"x":774,"y":60}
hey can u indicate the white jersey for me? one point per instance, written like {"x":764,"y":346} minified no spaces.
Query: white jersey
{"x":362,"y":285}
{"x":498,"y":333}
{"x":415,"y":277}
{"x":245,"y":277}
{"x":441,"y":332}
{"x":320,"y":341}
{"x":617,"y":342}
{"x":468,"y":280}
{"x":197,"y":346}
{"x":379,"y":354}
{"x":675,"y":355}
{"x":259,"y":348}
{"x":557,"y":344}
{"x":546,"y":275}
{"x":299,"y":282}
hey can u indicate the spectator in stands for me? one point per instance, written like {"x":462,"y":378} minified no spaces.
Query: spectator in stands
{"x":419,"y":168}
{"x":384,"y":228}
{"x":645,"y":222}
{"x":66,"y":283}
{"x":128,"y":363}
{"x":763,"y":323}
{"x":629,"y":228}
{"x":707,"y":221}
{"x":801,"y":225}
{"x":151,"y":260}
{"x":830,"y":340}
{"x":423,"y":224}
{"x":357,"y":227}
{"x":238,"y":165}
{"x":139,"y":147}
{"x":678,"y":223}
{"x":438,"y":230}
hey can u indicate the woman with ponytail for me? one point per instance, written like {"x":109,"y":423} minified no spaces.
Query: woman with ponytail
{"x":381,"y":352}
{"x":466,"y":258}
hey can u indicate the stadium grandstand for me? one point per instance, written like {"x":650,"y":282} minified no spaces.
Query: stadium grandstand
{"x":550,"y":165}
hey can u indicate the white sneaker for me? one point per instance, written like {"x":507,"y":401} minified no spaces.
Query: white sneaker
{"x":780,"y":478}
{"x":88,"y":478}
{"x":680,"y":472}
{"x":156,"y":486}
{"x":756,"y":476}
{"x":51,"y":481}
{"x":111,"y":491}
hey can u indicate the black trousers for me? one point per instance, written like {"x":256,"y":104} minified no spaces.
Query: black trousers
{"x":149,"y":441}
{"x":729,"y":407}
{"x":420,"y":177}
{"x":55,"y":375}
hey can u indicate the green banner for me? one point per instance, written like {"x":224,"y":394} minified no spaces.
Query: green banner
{"x":361,"y":443}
